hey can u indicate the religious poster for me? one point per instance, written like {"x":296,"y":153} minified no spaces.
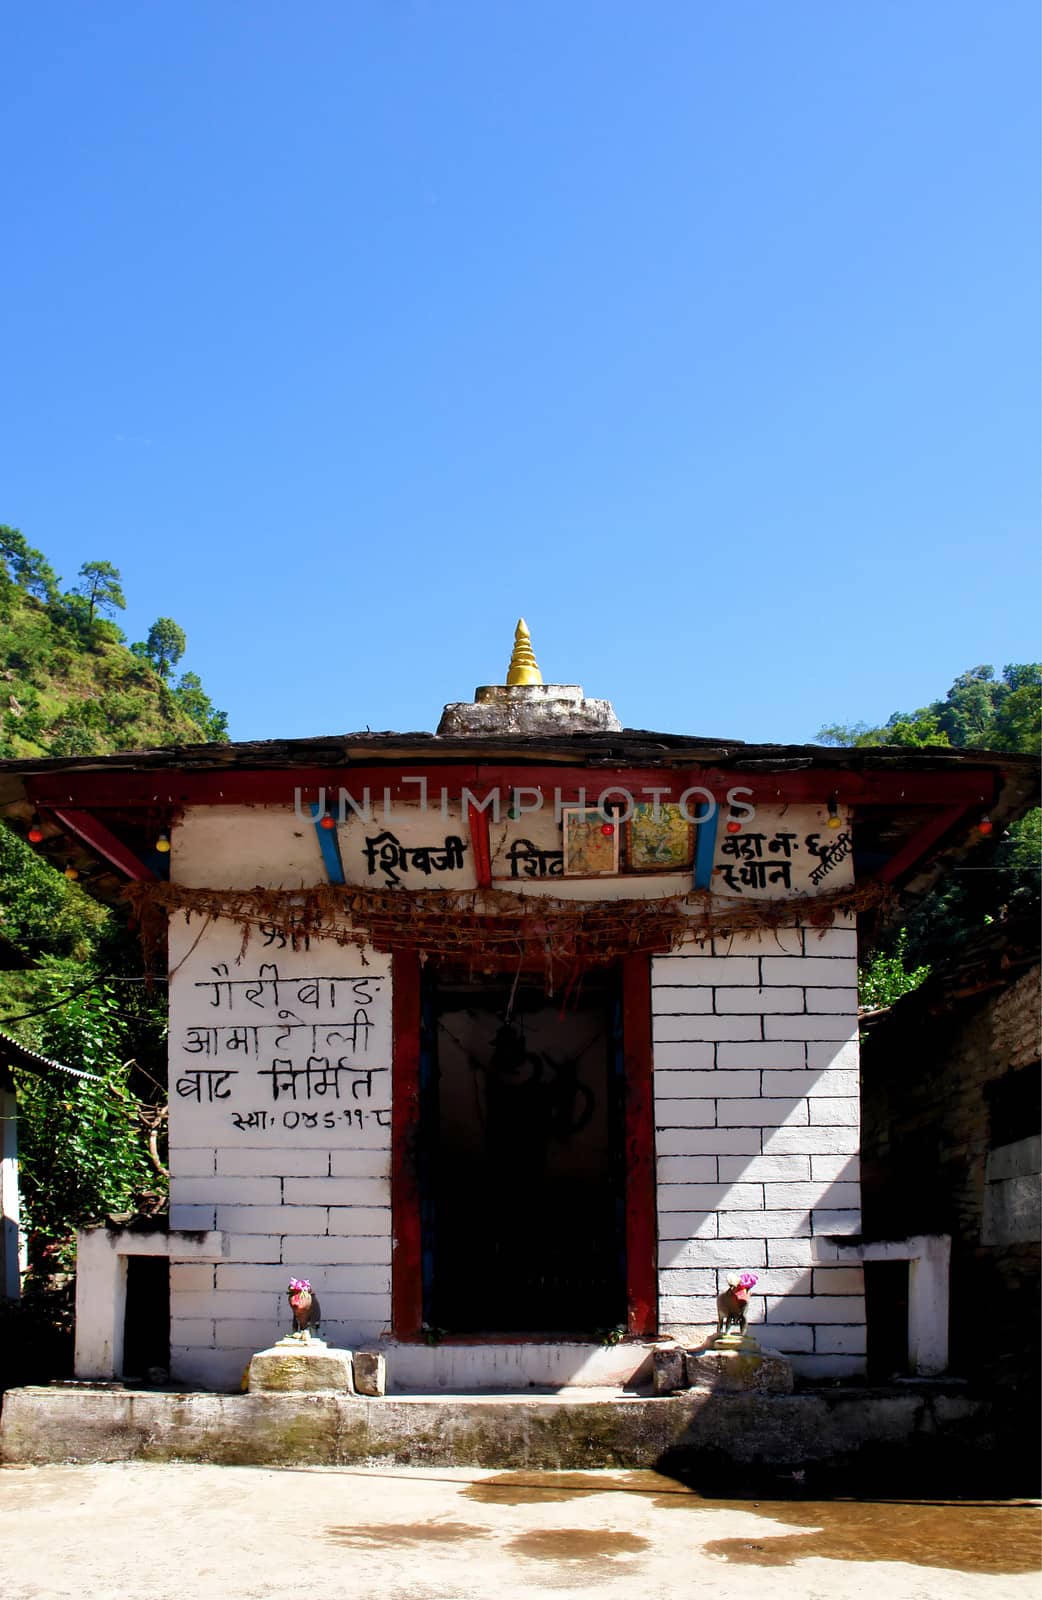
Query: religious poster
{"x":591,"y":845}
{"x":658,"y":839}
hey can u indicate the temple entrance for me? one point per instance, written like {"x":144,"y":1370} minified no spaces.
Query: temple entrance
{"x":521,"y":1156}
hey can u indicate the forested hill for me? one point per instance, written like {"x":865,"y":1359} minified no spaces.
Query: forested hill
{"x":69,"y":682}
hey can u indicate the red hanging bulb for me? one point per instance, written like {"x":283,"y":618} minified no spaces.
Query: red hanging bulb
{"x":607,"y":828}
{"x":35,"y":834}
{"x":327,"y":821}
{"x":984,"y":826}
{"x":733,"y":826}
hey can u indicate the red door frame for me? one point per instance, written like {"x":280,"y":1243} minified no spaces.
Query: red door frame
{"x":639,"y":1135}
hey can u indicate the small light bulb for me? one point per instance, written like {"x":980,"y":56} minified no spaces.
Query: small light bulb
{"x":327,"y":822}
{"x":72,"y":872}
{"x":985,"y":826}
{"x":834,"y":822}
{"x":733,"y":826}
{"x":163,"y":843}
{"x":35,"y":834}
{"x":607,"y":828}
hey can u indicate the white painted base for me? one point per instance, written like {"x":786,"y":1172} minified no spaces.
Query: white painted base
{"x":928,"y":1257}
{"x":101,"y":1287}
{"x":465,"y":1368}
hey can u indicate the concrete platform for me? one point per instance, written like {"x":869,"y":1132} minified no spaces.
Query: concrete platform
{"x":694,"y":1432}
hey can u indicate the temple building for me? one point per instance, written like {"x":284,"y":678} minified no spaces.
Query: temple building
{"x":514,"y":1039}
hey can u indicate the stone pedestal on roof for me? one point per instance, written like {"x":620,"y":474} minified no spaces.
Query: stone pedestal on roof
{"x":527,"y":706}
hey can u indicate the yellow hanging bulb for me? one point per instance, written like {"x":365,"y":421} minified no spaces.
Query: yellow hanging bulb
{"x":163,"y":843}
{"x":524,"y":668}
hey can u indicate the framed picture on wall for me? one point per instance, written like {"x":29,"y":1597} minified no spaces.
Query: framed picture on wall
{"x":659,"y":843}
{"x":591,"y":845}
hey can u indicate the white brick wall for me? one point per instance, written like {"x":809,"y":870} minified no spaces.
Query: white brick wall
{"x":757,"y":1133}
{"x":303,"y":1191}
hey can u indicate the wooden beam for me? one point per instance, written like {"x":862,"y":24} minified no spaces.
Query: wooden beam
{"x":406,"y":1256}
{"x":921,"y":842}
{"x":99,"y":838}
{"x":329,"y":846}
{"x":480,"y":845}
{"x":641,"y":1233}
{"x":94,"y":790}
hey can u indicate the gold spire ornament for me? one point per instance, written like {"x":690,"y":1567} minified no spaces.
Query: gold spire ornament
{"x":524,"y":668}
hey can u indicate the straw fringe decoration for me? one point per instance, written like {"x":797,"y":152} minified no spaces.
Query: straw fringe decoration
{"x":485,"y":926}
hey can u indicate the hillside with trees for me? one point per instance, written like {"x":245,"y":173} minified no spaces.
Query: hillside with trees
{"x":69,"y":683}
{"x":71,"y":981}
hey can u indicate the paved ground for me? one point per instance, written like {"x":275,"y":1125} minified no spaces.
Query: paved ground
{"x":146,"y":1532}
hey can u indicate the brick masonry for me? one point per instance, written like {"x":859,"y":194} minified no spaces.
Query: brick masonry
{"x":757,"y":1123}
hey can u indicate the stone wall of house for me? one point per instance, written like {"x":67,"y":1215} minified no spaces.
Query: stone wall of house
{"x":951,"y":1145}
{"x":757,"y":1133}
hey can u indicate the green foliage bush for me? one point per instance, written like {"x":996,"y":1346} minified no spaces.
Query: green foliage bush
{"x":887,"y":977}
{"x":42,"y":914}
{"x":82,"y":1148}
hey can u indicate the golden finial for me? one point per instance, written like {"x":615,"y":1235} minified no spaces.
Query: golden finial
{"x":524,"y":668}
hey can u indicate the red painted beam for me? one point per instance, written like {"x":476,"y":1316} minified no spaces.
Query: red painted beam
{"x":102,"y":841}
{"x":99,"y":790}
{"x":921,"y":842}
{"x":480,"y":845}
{"x":641,"y":1232}
{"x":406,"y":1256}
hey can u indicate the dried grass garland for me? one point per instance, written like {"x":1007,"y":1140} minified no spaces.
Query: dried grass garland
{"x":486,"y":925}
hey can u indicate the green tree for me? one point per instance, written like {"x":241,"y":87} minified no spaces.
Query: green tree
{"x":41,"y":913}
{"x":166,"y":645}
{"x":196,"y":703}
{"x":27,"y":567}
{"x":100,"y":587}
{"x":979,"y":711}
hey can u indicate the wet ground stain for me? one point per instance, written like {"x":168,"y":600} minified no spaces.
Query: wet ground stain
{"x":987,"y":1537}
{"x":543,"y":1488}
{"x":957,"y":1535}
{"x":386,"y":1535}
{"x":598,"y":1545}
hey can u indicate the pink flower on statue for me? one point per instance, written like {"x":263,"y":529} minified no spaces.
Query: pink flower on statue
{"x":296,"y":1285}
{"x":747,"y":1280}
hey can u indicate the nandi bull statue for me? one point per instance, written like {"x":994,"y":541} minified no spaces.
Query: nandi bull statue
{"x":732,"y":1305}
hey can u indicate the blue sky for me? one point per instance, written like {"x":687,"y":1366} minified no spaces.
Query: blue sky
{"x":704,"y":336}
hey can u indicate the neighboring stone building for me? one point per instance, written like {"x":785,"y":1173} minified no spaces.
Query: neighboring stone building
{"x":951,"y":1104}
{"x":516,"y":1038}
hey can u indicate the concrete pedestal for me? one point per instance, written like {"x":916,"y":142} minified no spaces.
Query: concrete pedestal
{"x":739,"y":1368}
{"x":295,"y":1367}
{"x":728,"y":1364}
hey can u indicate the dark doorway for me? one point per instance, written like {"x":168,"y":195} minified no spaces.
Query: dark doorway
{"x":521,"y":1167}
{"x":146,"y":1326}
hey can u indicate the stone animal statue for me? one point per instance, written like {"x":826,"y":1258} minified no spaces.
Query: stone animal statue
{"x":305,"y":1307}
{"x":732,"y":1306}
